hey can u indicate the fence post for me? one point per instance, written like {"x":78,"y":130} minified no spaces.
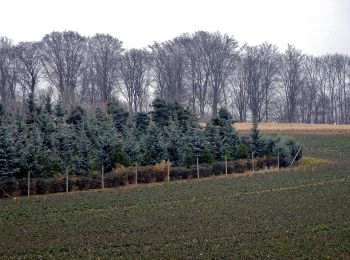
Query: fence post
{"x":278,"y":159}
{"x":136,"y":174}
{"x":28,"y":183}
{"x":295,"y":157}
{"x":253,"y":161}
{"x":226,"y":164}
{"x":197,"y":169}
{"x":67,"y":179}
{"x":103,"y":177}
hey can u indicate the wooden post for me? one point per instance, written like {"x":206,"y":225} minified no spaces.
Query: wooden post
{"x":278,"y":159}
{"x":168,"y":170}
{"x":67,"y":179}
{"x":197,"y":169}
{"x":28,"y":183}
{"x":103,"y":177}
{"x":253,"y":161}
{"x":136,"y":174}
{"x":295,"y":157}
{"x":226,"y":164}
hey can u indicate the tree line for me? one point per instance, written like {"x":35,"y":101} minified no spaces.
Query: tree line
{"x":202,"y":71}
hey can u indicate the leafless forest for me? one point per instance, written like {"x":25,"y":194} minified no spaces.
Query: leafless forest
{"x":203,"y":71}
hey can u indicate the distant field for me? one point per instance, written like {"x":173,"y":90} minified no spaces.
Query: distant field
{"x":302,"y":212}
{"x":293,"y":127}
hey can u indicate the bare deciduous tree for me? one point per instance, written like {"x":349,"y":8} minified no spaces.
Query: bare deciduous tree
{"x":62,"y":56}
{"x":134,"y":74}
{"x":292,"y":80}
{"x":8,"y":72}
{"x":28,"y":66}
{"x":105,"y":51}
{"x":168,"y":64}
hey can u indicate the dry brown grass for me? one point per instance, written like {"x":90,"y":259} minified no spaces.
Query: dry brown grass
{"x":294,"y":127}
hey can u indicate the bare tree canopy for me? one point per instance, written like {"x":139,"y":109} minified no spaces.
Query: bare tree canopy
{"x":105,"y":52}
{"x":204,"y":71}
{"x":134,"y":74}
{"x":8,"y":72}
{"x":62,"y":56}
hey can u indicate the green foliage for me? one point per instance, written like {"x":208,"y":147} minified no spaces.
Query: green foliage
{"x":256,"y":144}
{"x":2,"y":110}
{"x":59,"y":110}
{"x":242,"y":151}
{"x":119,"y":155}
{"x":8,"y":160}
{"x":206,"y":156}
{"x":30,"y":117}
{"x":47,"y":142}
{"x":154,"y":148}
{"x":141,"y":122}
{"x":119,"y":115}
{"x":212,"y":134}
{"x":287,"y":148}
{"x":161,"y":112}
{"x":76,"y":116}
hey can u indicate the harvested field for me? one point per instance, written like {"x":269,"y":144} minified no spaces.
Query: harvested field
{"x":294,"y":127}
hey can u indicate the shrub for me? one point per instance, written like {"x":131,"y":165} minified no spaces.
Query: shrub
{"x":131,"y":174}
{"x":114,"y":179}
{"x":42,"y":185}
{"x":240,"y":166}
{"x":161,"y":170}
{"x":146,"y":174}
{"x":10,"y":186}
{"x":23,"y":186}
{"x":287,"y":148}
{"x":177,"y":173}
{"x":96,"y":180}
{"x":219,"y":168}
{"x":58,"y":185}
{"x":84,"y":183}
{"x":205,"y":170}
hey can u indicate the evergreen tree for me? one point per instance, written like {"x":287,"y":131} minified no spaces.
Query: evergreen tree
{"x":192,"y":146}
{"x":229,"y":142}
{"x":59,"y":112}
{"x":256,"y":144}
{"x":46,"y":127}
{"x":141,"y":123}
{"x":172,"y":142}
{"x":184,"y":117}
{"x":65,"y":146}
{"x":8,"y":159}
{"x":76,"y":116}
{"x":30,"y":115}
{"x":212,"y":134}
{"x":161,"y":112}
{"x":154,"y":148}
{"x":81,"y":159}
{"x":105,"y":142}
{"x":119,"y":115}
{"x":132,"y":147}
{"x":48,"y":104}
{"x":32,"y":153}
{"x":2,"y":114}
{"x":206,"y":156}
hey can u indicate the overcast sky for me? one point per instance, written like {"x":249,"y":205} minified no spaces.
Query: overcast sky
{"x":315,"y":26}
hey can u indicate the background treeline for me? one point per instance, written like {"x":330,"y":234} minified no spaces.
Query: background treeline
{"x":202,"y":71}
{"x":50,"y":140}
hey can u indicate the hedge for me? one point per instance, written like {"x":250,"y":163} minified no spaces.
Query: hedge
{"x":123,"y":176}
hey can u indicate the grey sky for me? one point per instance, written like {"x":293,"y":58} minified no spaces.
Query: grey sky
{"x":316,"y":27}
